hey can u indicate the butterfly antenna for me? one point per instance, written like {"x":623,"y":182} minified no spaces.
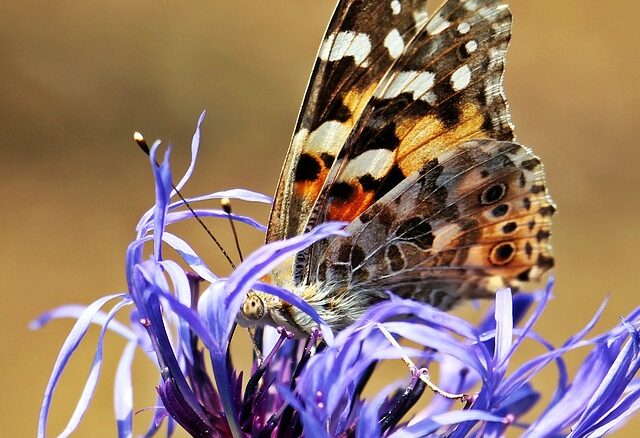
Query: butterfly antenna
{"x":142,"y":144}
{"x":226,"y":206}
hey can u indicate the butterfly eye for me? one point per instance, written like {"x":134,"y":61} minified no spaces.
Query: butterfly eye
{"x":253,"y":307}
{"x":493,"y":193}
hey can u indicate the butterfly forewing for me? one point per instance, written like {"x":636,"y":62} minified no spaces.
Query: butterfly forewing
{"x":445,"y":88}
{"x":362,"y":41}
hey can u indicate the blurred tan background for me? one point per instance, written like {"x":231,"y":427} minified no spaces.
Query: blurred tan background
{"x":77,"y":78}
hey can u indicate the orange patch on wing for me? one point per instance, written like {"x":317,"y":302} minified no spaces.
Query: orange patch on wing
{"x":310,"y":190}
{"x":356,"y":100}
{"x":350,"y":209}
{"x":415,"y":134}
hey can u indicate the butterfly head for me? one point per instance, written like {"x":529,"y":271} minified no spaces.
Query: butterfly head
{"x":254,"y":308}
{"x":260,"y":309}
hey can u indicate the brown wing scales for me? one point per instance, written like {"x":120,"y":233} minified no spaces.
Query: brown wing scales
{"x":352,"y":59}
{"x":471,"y":220}
{"x":444,"y":89}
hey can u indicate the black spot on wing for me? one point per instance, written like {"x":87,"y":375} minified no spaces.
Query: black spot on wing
{"x":493,"y":193}
{"x":528,"y":249}
{"x":531,"y":163}
{"x":448,"y":111}
{"x":327,"y":159}
{"x":509,"y":227}
{"x":357,"y":256}
{"x":341,"y":191}
{"x":524,"y":275}
{"x":392,"y":179}
{"x":537,"y":188}
{"x":417,"y":231}
{"x":372,"y":138}
{"x":547,"y":210}
{"x":500,"y":210}
{"x":502,"y":253}
{"x":542,"y":235}
{"x":545,"y":262}
{"x":395,"y":258}
{"x":344,"y":253}
{"x":307,"y":169}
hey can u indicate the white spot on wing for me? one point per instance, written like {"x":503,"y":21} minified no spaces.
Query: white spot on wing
{"x":416,"y":82}
{"x":376,"y":163}
{"x":437,"y":24}
{"x":396,"y":7}
{"x":322,"y":139}
{"x":461,"y":78}
{"x":471,"y":46}
{"x":430,"y":97}
{"x":464,"y":27}
{"x":471,"y":5}
{"x":347,"y":43}
{"x":420,"y":17}
{"x":394,"y":43}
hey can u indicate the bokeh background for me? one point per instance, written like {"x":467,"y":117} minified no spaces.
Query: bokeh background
{"x":77,"y":78}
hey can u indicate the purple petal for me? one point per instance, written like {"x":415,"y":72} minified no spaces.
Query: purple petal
{"x":368,"y":425}
{"x":70,"y":344}
{"x":624,"y":367}
{"x":627,"y":407}
{"x":533,"y":319}
{"x":123,"y":392}
{"x":162,"y":174}
{"x":312,"y":427}
{"x":173,"y":398}
{"x":504,"y":328}
{"x":184,"y":215}
{"x":195,"y":145}
{"x":148,"y":284}
{"x":239,"y":194}
{"x":183,"y":293}
{"x":74,"y":311}
{"x":94,"y":375}
{"x":189,"y":256}
{"x":430,"y":425}
{"x":564,"y":409}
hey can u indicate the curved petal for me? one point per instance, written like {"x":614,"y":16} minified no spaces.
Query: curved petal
{"x":70,"y":344}
{"x":195,"y":146}
{"x":123,"y":392}
{"x":74,"y":311}
{"x":94,"y":374}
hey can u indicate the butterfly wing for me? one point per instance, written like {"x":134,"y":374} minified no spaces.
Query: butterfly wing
{"x":360,"y":45}
{"x":473,"y":219}
{"x":445,"y":88}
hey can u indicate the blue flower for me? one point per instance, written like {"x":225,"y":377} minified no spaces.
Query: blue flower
{"x":314,"y":386}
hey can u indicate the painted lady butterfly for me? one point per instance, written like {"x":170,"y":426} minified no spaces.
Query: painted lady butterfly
{"x":405,"y":133}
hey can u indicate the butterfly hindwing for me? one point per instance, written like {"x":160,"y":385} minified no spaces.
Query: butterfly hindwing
{"x":360,"y":45}
{"x":470,"y":220}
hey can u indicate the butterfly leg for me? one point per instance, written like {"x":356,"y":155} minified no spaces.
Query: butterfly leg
{"x":423,"y":373}
{"x":255,"y":333}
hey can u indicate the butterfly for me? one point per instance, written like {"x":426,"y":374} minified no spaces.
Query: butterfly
{"x":405,"y":133}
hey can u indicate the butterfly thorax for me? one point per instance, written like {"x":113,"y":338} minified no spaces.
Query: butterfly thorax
{"x":337,"y":304}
